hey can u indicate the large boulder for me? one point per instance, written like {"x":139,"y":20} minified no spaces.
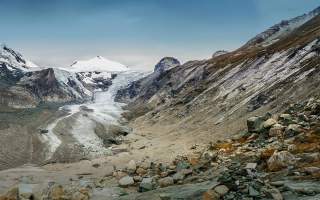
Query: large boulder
{"x":280,"y":160}
{"x":254,"y":124}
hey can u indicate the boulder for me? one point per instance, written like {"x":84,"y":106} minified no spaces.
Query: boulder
{"x":276,"y":130}
{"x":141,"y":171}
{"x":254,"y":124}
{"x":146,"y":185}
{"x":137,"y":178}
{"x":280,"y":160}
{"x":211,"y":195}
{"x":126,"y":181}
{"x":269,"y":123}
{"x":275,"y":193}
{"x":221,"y":190}
{"x":251,"y":166}
{"x":253,"y":192}
{"x":285,"y":118}
{"x":167,"y":181}
{"x":292,"y":130}
{"x":131,"y":166}
{"x":178,"y":176}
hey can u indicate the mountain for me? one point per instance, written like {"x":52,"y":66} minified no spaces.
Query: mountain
{"x":243,"y":124}
{"x":97,"y":72}
{"x":14,"y":59}
{"x":281,"y":29}
{"x":25,"y":85}
{"x":218,"y":95}
{"x":98,"y":64}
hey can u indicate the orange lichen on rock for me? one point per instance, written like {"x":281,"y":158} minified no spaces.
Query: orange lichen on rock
{"x":225,"y":147}
{"x":266,"y":154}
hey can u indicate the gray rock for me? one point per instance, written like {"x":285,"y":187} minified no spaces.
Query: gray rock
{"x":137,"y":178}
{"x":275,"y":193}
{"x":285,"y":117}
{"x":254,"y":124}
{"x":270,"y":122}
{"x":221,"y":190}
{"x":164,"y":182}
{"x":253,"y":192}
{"x":292,"y":130}
{"x":146,"y":185}
{"x":178,"y":176}
{"x":276,"y":130}
{"x":304,"y":187}
{"x":126,"y":181}
{"x":131,"y":166}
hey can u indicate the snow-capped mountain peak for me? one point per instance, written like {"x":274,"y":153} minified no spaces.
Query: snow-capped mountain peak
{"x":14,"y":59}
{"x":99,"y":64}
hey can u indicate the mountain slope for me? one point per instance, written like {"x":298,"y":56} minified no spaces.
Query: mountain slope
{"x":281,"y":29}
{"x":203,"y":100}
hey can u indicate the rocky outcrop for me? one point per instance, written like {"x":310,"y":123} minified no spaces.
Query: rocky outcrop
{"x":166,"y":64}
{"x":148,"y":86}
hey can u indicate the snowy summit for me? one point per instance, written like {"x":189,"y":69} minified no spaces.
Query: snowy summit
{"x":97,"y":63}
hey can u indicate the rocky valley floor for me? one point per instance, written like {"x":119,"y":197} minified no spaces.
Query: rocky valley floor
{"x":276,"y":157}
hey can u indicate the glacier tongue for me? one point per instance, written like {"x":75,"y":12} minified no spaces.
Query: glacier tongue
{"x":103,"y":110}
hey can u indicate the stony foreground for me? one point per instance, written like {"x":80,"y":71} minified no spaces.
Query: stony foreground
{"x":277,"y":157}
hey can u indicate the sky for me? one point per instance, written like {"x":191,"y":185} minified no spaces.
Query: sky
{"x":137,"y":33}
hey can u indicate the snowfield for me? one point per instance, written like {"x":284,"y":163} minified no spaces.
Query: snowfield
{"x":99,"y":64}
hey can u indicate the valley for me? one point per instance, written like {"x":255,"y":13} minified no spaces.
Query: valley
{"x":240,"y":125}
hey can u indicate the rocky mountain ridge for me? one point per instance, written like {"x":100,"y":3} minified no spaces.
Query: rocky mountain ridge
{"x":218,"y":94}
{"x":25,"y":85}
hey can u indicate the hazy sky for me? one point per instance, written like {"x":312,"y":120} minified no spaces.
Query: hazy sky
{"x":136,"y":32}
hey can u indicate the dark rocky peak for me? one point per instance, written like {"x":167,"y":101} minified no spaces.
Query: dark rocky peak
{"x":166,"y":64}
